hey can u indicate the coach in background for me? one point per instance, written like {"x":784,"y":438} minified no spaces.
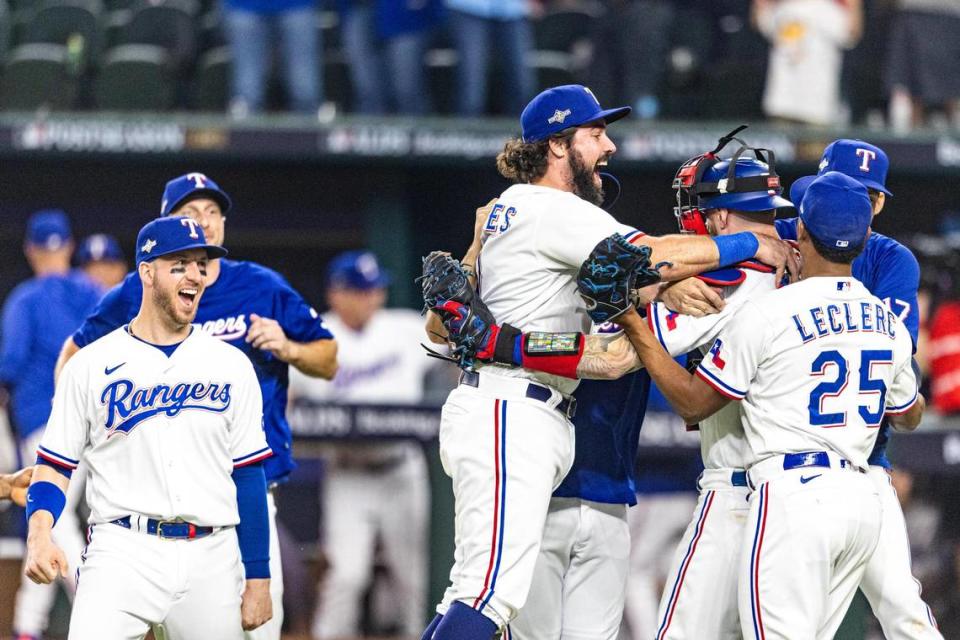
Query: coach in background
{"x":37,"y":316}
{"x":102,"y":259}
{"x":373,"y":490}
{"x":256,"y":310}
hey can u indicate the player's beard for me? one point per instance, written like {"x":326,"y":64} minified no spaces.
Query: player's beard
{"x":164,"y":302}
{"x":583,"y":179}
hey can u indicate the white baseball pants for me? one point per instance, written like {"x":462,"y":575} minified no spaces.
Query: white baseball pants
{"x":505,"y":454}
{"x":888,"y":584}
{"x":186,"y":589}
{"x":699,"y":600}
{"x":810,"y":533}
{"x":580,"y":575}
{"x":360,"y":506}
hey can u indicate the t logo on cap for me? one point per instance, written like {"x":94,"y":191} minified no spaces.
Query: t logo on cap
{"x":193,"y":224}
{"x":867,"y":156}
{"x":198,"y":179}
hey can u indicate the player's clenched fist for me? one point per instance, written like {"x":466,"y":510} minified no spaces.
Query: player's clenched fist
{"x":266,"y":333}
{"x":45,"y":560}
{"x":256,"y":607}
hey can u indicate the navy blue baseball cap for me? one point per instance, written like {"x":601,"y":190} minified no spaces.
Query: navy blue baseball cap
{"x":99,"y":247}
{"x":48,"y":229}
{"x":356,"y":270}
{"x":862,"y":161}
{"x":836,"y":210}
{"x":167,"y":235}
{"x":559,"y":108}
{"x":189,"y":187}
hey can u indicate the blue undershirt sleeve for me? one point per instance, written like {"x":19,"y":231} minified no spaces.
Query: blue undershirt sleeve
{"x":253,"y":532}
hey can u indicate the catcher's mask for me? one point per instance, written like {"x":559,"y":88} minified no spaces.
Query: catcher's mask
{"x":740,"y":183}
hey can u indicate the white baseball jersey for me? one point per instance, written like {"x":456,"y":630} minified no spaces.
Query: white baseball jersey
{"x":817,"y":364}
{"x":161,"y":436}
{"x":382,"y":363}
{"x":537,"y":238}
{"x":723,"y":444}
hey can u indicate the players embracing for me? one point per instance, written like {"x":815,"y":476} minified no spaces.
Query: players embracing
{"x":506,"y":435}
{"x":708,"y":591}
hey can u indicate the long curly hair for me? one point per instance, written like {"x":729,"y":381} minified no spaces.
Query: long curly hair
{"x":524,"y":162}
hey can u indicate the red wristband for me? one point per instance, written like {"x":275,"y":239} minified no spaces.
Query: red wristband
{"x":554,"y":353}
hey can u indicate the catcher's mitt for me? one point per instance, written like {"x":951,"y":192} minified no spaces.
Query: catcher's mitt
{"x":447,"y":291}
{"x":612,"y":270}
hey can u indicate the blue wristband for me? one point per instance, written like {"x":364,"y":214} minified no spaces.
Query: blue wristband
{"x":45,"y":496}
{"x":736,"y":247}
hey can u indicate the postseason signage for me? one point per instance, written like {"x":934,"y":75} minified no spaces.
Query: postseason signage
{"x":445,"y":140}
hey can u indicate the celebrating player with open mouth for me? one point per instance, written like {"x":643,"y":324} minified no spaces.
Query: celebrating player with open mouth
{"x":169,"y":421}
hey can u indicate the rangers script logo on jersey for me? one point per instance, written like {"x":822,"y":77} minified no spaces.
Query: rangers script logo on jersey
{"x":128,"y":405}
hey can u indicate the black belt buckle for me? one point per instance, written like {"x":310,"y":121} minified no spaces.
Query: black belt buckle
{"x":569,"y":407}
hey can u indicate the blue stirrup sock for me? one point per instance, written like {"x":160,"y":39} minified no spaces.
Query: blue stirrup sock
{"x":463,"y":623}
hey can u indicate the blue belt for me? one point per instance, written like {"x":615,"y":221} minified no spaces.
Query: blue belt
{"x":738,"y":478}
{"x":809,"y":459}
{"x":567,"y":406}
{"x":173,"y":530}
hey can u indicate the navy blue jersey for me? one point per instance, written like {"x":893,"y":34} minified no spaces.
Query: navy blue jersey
{"x":891,"y":272}
{"x":607,"y":427}
{"x":38,"y":316}
{"x":243,"y":288}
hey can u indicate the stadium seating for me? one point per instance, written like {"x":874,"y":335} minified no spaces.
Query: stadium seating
{"x":69,"y":22}
{"x":171,"y":24}
{"x":38,"y":76}
{"x":136,"y":77}
{"x":212,"y":88}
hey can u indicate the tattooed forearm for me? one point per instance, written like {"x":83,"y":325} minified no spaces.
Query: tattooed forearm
{"x":607,"y":357}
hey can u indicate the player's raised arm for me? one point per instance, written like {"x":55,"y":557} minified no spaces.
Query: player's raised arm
{"x":689,"y":255}
{"x":436,"y":332}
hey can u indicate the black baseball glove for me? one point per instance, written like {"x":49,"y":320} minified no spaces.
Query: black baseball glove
{"x":447,"y":291}
{"x":610,"y":273}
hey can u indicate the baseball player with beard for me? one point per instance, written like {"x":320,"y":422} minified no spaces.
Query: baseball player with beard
{"x":505,"y":435}
{"x":579,"y":580}
{"x":890,"y":271}
{"x":252,"y":308}
{"x":816,"y":367}
{"x":168,"y":421}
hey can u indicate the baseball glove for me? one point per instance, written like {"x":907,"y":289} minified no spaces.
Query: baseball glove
{"x":610,"y":273}
{"x":447,"y":291}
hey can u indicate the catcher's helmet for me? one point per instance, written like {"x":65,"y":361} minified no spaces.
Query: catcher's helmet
{"x":739,"y":183}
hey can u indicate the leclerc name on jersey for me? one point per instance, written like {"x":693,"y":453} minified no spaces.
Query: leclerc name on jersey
{"x":845,"y":317}
{"x":128,"y":406}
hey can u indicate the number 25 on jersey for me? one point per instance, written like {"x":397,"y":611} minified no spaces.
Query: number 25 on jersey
{"x":834,"y":368}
